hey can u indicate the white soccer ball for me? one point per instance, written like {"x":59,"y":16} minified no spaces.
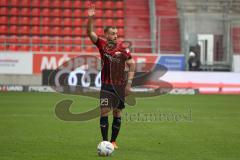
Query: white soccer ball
{"x":105,"y":148}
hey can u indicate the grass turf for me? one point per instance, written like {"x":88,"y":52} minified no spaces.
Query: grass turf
{"x":30,"y":130}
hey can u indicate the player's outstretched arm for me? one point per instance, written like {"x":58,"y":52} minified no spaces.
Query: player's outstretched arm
{"x":91,"y":34}
{"x":131,"y":64}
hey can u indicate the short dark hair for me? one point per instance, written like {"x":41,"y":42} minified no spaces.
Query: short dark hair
{"x":108,"y":27}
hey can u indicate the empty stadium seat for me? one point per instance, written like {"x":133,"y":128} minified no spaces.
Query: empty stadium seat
{"x":99,"y":22}
{"x":56,"y":4}
{"x":120,"y":23}
{"x":67,"y":13}
{"x":77,"y":41}
{"x":13,"y":3}
{"x":55,"y":31}
{"x":36,"y":48}
{"x":35,"y":40}
{"x":119,"y":5}
{"x":77,"y":13}
{"x":2,"y":47}
{"x":99,"y":13}
{"x":77,"y":22}
{"x":67,"y":4}
{"x":3,"y":38}
{"x":3,"y":20}
{"x":24,"y":48}
{"x":35,"y":21}
{"x":99,"y":4}
{"x":67,"y":22}
{"x":45,"y":40}
{"x":13,"y":30}
{"x":109,"y":22}
{"x":109,"y":4}
{"x":46,"y":21}
{"x":24,"y":3}
{"x":12,"y":47}
{"x":99,"y":31}
{"x":3,"y":11}
{"x":121,"y":32}
{"x":65,"y":49}
{"x":77,"y":49}
{"x":24,"y":30}
{"x":77,"y":4}
{"x":46,"y":30}
{"x":13,"y":20}
{"x":77,"y":31}
{"x":46,"y":48}
{"x":3,"y":2}
{"x":67,"y":31}
{"x":24,"y":21}
{"x":45,"y":12}
{"x":35,"y":30}
{"x":56,"y":21}
{"x":24,"y":39}
{"x":66,"y":40}
{"x":108,"y":13}
{"x":25,"y":11}
{"x":87,"y":4}
{"x":13,"y":11}
{"x":46,"y":3}
{"x":35,"y":3}
{"x":56,"y":12}
{"x":119,"y":14}
{"x":35,"y":12}
{"x":12,"y":39}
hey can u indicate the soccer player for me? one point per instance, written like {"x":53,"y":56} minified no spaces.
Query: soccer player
{"x":115,"y":83}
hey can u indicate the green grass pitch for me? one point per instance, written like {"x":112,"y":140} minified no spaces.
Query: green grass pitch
{"x":207,"y":128}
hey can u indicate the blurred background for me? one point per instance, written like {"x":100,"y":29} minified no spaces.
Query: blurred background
{"x":197,"y":41}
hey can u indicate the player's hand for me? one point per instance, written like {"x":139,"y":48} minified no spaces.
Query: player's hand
{"x":91,"y":10}
{"x":128,"y":89}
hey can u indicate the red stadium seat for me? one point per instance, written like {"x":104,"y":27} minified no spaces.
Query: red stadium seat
{"x":109,"y":4}
{"x":24,"y":21}
{"x":67,"y":22}
{"x":3,"y":20}
{"x":56,"y":31}
{"x":77,"y":49}
{"x":3,"y":29}
{"x":3,"y":38}
{"x":35,"y":12}
{"x":87,"y":41}
{"x":2,"y":47}
{"x":121,"y":32}
{"x":46,"y":3}
{"x":46,"y":21}
{"x":67,"y":4}
{"x":35,"y":21}
{"x":45,"y":12}
{"x":87,"y":4}
{"x":99,"y":13}
{"x":13,"y":11}
{"x":109,"y":22}
{"x":13,"y":20}
{"x":12,"y":48}
{"x":24,"y":3}
{"x":56,"y":13}
{"x":36,"y":40}
{"x":24,"y":30}
{"x":77,"y":4}
{"x":36,"y":48}
{"x":35,"y":30}
{"x":66,"y":40}
{"x":66,"y":48}
{"x":13,"y":3}
{"x":99,"y":4}
{"x":56,"y":21}
{"x":45,"y":40}
{"x":120,"y":23}
{"x":36,"y":3}
{"x":24,"y":48}
{"x":77,"y":22}
{"x":56,"y":4}
{"x":67,"y":13}
{"x":46,"y":48}
{"x":88,"y":49}
{"x":119,"y":4}
{"x":3,"y":2}
{"x":46,"y":30}
{"x":77,"y":41}
{"x":77,"y":13}
{"x":109,"y":13}
{"x":3,"y":11}
{"x":85,"y":13}
{"x":77,"y":31}
{"x":12,"y":39}
{"x":67,"y":31}
{"x":24,"y":39}
{"x":25,"y":11}
{"x":13,"y":30}
{"x":119,"y":14}
{"x":99,"y":22}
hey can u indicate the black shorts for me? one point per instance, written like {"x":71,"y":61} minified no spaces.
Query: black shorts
{"x":112,"y":96}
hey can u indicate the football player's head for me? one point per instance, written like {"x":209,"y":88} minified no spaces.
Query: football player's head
{"x":111,"y":34}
